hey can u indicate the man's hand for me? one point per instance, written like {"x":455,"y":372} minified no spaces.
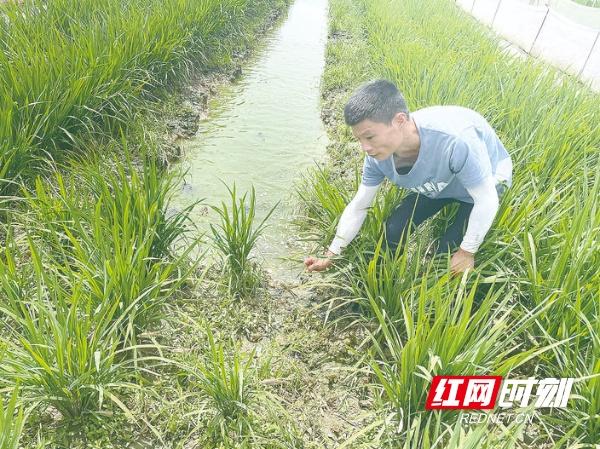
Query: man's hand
{"x":462,"y":261}
{"x":316,"y":264}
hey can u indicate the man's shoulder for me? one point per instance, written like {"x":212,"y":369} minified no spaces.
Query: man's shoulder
{"x":449,"y":120}
{"x":445,"y":109}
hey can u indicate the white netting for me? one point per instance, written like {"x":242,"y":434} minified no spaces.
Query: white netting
{"x":561,"y":32}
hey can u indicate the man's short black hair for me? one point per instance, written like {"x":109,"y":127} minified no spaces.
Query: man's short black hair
{"x":378,"y":101}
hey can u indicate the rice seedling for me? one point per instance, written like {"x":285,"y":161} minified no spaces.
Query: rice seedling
{"x":98,"y":252}
{"x":97,"y":264}
{"x":322,"y":200}
{"x":111,"y":229}
{"x":11,"y":421}
{"x":62,"y":347}
{"x":322,"y":203}
{"x":385,"y":278}
{"x":234,"y":237}
{"x":433,"y":433}
{"x":73,"y":70}
{"x":67,"y":354}
{"x":228,"y":386}
{"x":441,"y":331}
{"x":242,"y":413}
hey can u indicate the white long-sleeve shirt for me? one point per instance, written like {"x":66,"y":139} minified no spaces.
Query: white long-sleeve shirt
{"x":485,"y":207}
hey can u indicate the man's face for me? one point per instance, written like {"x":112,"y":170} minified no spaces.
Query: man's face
{"x":380,"y":140}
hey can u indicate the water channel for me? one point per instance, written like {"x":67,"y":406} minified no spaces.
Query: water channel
{"x":265,"y":130}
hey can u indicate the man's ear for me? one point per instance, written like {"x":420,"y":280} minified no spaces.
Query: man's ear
{"x":400,"y":119}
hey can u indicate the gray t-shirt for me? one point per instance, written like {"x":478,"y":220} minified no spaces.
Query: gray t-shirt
{"x":458,"y":150}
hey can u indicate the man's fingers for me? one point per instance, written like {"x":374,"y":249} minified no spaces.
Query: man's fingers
{"x":460,"y":268}
{"x":311,"y":263}
{"x":316,"y":264}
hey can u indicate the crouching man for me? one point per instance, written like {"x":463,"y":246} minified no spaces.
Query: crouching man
{"x":442,"y":154}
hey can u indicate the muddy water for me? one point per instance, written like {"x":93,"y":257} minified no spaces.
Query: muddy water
{"x":264,"y":130}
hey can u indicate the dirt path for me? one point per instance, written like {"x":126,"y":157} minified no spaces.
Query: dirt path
{"x":311,"y":363}
{"x":327,"y":396}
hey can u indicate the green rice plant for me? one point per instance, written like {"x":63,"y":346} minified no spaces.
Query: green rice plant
{"x":385,"y":279}
{"x":71,"y":71}
{"x":322,"y":199}
{"x":588,"y":413}
{"x":228,"y":385}
{"x":322,"y":202}
{"x":234,"y":237}
{"x":105,"y":264}
{"x":62,"y":347}
{"x":111,"y":228}
{"x":442,"y":331}
{"x":542,"y":188}
{"x":592,"y":3}
{"x":11,"y":421}
{"x":579,"y":359}
{"x":432,"y":432}
{"x":67,"y":351}
{"x":242,"y":413}
{"x":136,"y":200}
{"x":100,"y":261}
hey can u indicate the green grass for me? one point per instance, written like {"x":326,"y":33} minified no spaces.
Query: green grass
{"x":109,"y":225}
{"x":228,"y":385}
{"x":93,"y":250}
{"x":433,"y":433}
{"x":91,"y":272}
{"x":11,"y":422}
{"x":235,"y":237}
{"x":237,"y":411}
{"x":592,"y":3}
{"x":538,"y":277}
{"x":73,"y":70}
{"x":62,"y":349}
{"x":430,"y":323}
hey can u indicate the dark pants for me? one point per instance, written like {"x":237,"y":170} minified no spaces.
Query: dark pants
{"x":414,"y":210}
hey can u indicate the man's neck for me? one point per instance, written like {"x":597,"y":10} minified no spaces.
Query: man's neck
{"x":408,"y":153}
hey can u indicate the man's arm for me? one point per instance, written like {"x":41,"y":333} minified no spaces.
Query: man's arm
{"x":485,"y":207}
{"x":350,"y":223}
{"x":353,"y":217}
